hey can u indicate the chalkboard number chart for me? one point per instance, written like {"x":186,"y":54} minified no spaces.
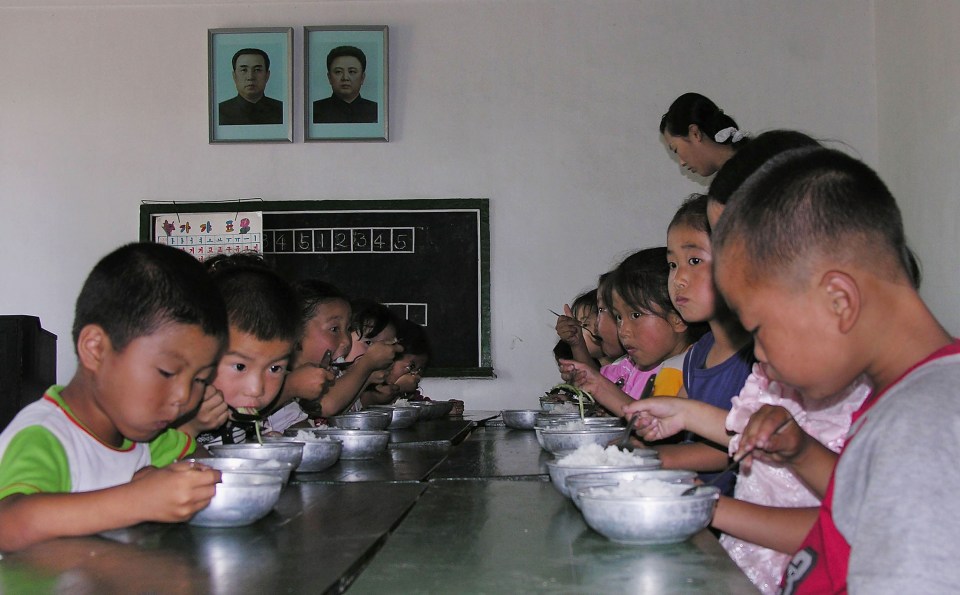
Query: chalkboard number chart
{"x":340,"y":240}
{"x":428,"y":260}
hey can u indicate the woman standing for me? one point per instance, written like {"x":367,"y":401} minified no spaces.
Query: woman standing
{"x":701,"y":135}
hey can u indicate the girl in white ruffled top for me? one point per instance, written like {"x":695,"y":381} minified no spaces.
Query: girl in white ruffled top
{"x":771,"y":485}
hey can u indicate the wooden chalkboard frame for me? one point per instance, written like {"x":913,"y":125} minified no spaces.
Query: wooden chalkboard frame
{"x":484,"y":366}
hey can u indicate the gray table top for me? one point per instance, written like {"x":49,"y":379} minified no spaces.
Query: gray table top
{"x":523,"y":536}
{"x":318,"y":538}
{"x":495,"y":452}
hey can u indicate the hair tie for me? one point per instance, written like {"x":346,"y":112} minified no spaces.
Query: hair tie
{"x":729,"y":133}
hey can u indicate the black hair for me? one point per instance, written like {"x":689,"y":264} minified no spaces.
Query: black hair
{"x":138,"y":288}
{"x":259,"y":301}
{"x":562,"y":350}
{"x":413,"y":338}
{"x":693,"y":213}
{"x":748,"y":159}
{"x":255,"y":51}
{"x":693,"y":108}
{"x":347,"y":50}
{"x":585,"y":301}
{"x":370,"y":318}
{"x":814,"y":201}
{"x":313,"y":293}
{"x":641,"y":281}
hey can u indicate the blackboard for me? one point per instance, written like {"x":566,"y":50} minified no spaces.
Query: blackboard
{"x":427,"y":259}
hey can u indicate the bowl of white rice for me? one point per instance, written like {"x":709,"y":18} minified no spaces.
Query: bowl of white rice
{"x":567,"y":437}
{"x":575,"y":483}
{"x":319,"y":452}
{"x":647,"y":511}
{"x":592,"y":458}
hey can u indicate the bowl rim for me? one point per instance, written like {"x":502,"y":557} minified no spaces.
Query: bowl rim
{"x":634,"y":467}
{"x":702,"y":494}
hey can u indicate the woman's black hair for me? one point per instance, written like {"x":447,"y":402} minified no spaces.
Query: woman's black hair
{"x":693,"y":108}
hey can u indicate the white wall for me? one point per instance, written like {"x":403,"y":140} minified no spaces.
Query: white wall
{"x":548,"y":107}
{"x":918,"y":66}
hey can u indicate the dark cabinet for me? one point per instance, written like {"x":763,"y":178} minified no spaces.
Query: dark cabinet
{"x":28,"y":363}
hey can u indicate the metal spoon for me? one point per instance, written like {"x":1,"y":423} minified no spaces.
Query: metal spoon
{"x":581,"y":325}
{"x":736,"y":461}
{"x":624,"y":442}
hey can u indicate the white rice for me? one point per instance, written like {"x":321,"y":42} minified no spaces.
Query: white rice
{"x":309,"y":436}
{"x":641,"y":488}
{"x":570,"y":426}
{"x":566,"y":407}
{"x":594,"y":455}
{"x":401,"y":403}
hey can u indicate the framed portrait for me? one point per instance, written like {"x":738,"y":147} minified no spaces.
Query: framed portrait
{"x":345,"y":83}
{"x":250,"y":85}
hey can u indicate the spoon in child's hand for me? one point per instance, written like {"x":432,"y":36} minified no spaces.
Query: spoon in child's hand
{"x":736,"y":461}
{"x":581,"y":325}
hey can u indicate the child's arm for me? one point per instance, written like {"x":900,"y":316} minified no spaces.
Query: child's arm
{"x":780,"y":529}
{"x":811,"y":461}
{"x":212,"y":414}
{"x":696,"y":456}
{"x":570,"y":332}
{"x":589,"y":379}
{"x":347,"y":387}
{"x":172,"y":494}
{"x":662,"y":417}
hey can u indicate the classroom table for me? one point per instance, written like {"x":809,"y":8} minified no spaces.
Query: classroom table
{"x":425,"y":517}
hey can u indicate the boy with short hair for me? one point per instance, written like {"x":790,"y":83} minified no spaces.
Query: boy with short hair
{"x":98,"y":454}
{"x":264,"y":322}
{"x":811,"y":255}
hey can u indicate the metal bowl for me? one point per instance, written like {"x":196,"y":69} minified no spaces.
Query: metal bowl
{"x":441,"y":408}
{"x":560,"y":473}
{"x":554,"y":405}
{"x":362,"y":420}
{"x":402,"y":417}
{"x":317,"y":454}
{"x":545,"y":418}
{"x":560,"y":441}
{"x":358,"y":444}
{"x":575,"y":483}
{"x":241,"y":499}
{"x":257,"y":466}
{"x":520,"y":419}
{"x":286,"y":452}
{"x":423,"y":408}
{"x":650,"y":520}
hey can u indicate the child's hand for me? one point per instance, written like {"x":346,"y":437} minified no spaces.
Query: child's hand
{"x":582,"y":376}
{"x":379,"y":356}
{"x":212,"y":414}
{"x":659,"y":417}
{"x":308,"y":381}
{"x":767,"y":443}
{"x":176,"y":492}
{"x":569,"y":329}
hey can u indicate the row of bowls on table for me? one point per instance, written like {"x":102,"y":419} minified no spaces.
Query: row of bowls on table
{"x":254,"y":474}
{"x":625,"y":519}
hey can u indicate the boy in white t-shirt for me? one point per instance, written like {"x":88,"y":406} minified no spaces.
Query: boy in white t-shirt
{"x":99,"y":453}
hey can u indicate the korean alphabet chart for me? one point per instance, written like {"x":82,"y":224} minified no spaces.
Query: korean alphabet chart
{"x":205,"y":235}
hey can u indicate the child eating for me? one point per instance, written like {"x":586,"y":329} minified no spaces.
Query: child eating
{"x":811,"y":255}
{"x":98,"y":453}
{"x":264,"y":323}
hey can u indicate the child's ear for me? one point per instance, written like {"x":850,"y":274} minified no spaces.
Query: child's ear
{"x":843,"y":298}
{"x":677,"y":323}
{"x":93,"y":344}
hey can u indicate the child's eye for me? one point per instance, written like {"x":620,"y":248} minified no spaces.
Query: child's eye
{"x":671,"y":265}
{"x":165,"y":373}
{"x":239,"y":367}
{"x":335,"y":329}
{"x":369,"y":342}
{"x":694,"y":261}
{"x":277,"y":369}
{"x":635,"y":315}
